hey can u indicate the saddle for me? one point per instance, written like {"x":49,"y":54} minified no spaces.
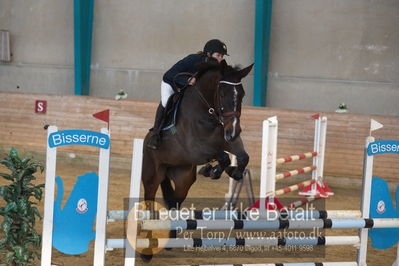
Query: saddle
{"x":172,"y":107}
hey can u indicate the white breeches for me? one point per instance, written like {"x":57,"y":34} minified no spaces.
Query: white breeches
{"x":166,"y":91}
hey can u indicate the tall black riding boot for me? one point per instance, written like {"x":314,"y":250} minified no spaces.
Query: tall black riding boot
{"x":154,"y":140}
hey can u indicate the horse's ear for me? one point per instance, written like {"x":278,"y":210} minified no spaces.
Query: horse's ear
{"x":244,"y":72}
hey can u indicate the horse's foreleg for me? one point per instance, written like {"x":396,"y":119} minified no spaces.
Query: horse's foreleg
{"x":206,"y":170}
{"x":216,"y":171}
{"x":237,"y":148}
{"x":223,"y":161}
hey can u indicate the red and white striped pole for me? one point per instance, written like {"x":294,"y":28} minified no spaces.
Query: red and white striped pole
{"x":300,"y":202}
{"x":295,"y":172}
{"x":296,"y":157}
{"x":294,"y":187}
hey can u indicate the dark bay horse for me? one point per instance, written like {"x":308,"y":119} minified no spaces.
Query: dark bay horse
{"x":208,"y":124}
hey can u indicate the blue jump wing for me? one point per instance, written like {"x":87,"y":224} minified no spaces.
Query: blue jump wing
{"x":73,"y":225}
{"x":381,"y":206}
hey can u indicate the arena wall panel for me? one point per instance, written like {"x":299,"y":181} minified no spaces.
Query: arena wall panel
{"x":22,"y":128}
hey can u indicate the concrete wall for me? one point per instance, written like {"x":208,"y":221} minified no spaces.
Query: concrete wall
{"x":332,"y":51}
{"x":134,"y":42}
{"x":322,"y":52}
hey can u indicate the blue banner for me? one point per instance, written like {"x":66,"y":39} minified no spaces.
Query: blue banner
{"x":383,"y":146}
{"x":78,"y":137}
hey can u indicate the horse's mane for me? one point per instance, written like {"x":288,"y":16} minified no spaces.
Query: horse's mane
{"x":230,"y":70}
{"x":224,"y":69}
{"x":209,"y":66}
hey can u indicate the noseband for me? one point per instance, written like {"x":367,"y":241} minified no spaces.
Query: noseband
{"x":226,"y":114}
{"x":218,"y":113}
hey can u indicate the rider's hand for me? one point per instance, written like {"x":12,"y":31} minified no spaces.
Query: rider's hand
{"x":191,"y":81}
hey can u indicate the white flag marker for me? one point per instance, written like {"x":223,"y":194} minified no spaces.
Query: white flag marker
{"x":374,"y":125}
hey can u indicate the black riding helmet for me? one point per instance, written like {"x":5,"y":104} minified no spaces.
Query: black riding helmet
{"x":215,"y":46}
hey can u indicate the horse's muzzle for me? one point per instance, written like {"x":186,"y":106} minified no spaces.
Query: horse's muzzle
{"x":232,"y":129}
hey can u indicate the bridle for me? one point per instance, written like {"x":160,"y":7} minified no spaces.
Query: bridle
{"x":217,"y":111}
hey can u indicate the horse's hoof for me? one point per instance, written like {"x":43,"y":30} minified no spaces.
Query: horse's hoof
{"x":216,"y":172}
{"x":237,"y":175}
{"x":146,"y":258}
{"x":234,"y":173}
{"x":205,"y":170}
{"x":230,"y":170}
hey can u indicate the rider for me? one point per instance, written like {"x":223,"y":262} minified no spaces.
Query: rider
{"x":213,"y":49}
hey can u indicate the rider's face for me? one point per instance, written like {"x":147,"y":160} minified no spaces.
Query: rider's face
{"x":218,"y":56}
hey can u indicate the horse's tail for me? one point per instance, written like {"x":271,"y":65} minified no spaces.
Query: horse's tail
{"x":168,"y":193}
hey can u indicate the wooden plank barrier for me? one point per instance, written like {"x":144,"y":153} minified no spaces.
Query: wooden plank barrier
{"x":22,"y":128}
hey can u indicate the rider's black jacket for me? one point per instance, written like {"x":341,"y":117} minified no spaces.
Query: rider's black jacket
{"x":189,"y":64}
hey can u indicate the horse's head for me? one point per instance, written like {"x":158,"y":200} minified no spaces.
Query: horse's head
{"x":221,"y":90}
{"x":229,"y":97}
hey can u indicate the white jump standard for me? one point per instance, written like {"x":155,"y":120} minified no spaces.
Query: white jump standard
{"x":314,"y":188}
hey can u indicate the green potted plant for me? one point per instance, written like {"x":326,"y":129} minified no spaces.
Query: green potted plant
{"x":19,"y":240}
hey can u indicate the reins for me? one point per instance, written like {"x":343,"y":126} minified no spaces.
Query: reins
{"x":182,"y":74}
{"x":217,"y":111}
{"x":219,"y":114}
{"x":211,"y":110}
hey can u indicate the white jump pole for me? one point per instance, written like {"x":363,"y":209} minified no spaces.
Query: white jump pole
{"x":268,"y":161}
{"x":47,"y":234}
{"x":135,"y":182}
{"x":322,"y":148}
{"x":365,"y":203}
{"x":102,"y":204}
{"x":316,"y":146}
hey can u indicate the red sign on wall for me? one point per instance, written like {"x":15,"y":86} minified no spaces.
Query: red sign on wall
{"x":40,"y":106}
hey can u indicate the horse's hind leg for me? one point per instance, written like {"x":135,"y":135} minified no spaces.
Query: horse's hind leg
{"x":183,"y":178}
{"x":151,"y":180}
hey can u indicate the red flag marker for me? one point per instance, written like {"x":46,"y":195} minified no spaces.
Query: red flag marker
{"x":103,"y":115}
{"x":316,"y":116}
